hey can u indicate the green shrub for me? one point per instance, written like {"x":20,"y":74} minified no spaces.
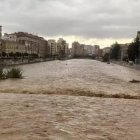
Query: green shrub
{"x":14,"y":73}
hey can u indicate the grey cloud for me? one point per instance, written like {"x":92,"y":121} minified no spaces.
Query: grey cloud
{"x":88,"y":18}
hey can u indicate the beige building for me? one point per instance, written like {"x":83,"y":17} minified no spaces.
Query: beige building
{"x":31,"y":44}
{"x":52,"y":47}
{"x":43,"y":48}
{"x":11,"y":47}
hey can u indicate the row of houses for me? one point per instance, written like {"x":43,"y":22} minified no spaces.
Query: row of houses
{"x":25,"y":44}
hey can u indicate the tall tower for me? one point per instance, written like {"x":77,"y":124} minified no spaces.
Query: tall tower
{"x":0,"y":31}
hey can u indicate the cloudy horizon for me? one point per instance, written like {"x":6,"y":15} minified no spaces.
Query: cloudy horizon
{"x":99,"y":22}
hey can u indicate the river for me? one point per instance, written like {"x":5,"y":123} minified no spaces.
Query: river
{"x":74,"y":75}
{"x":29,"y":112}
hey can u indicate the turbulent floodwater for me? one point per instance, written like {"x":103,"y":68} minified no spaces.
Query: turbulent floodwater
{"x":74,"y":75}
{"x":55,"y":117}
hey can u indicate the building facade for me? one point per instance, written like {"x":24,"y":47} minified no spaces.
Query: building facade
{"x":62,"y":48}
{"x":52,"y":47}
{"x":11,"y":49}
{"x":82,"y":50}
{"x":77,"y":49}
{"x":89,"y":50}
{"x":123,"y":51}
{"x":31,"y":44}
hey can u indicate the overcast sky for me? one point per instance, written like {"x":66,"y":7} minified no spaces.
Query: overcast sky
{"x":88,"y":21}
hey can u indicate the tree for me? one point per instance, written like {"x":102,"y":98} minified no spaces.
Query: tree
{"x":133,"y":49}
{"x":93,"y":56}
{"x":106,"y":57}
{"x":136,"y":47}
{"x":11,"y":54}
{"x":17,"y":54}
{"x":131,"y":52}
{"x":115,"y":52}
{"x":26,"y":54}
{"x":4,"y":54}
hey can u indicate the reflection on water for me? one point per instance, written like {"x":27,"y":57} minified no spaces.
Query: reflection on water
{"x":74,"y":74}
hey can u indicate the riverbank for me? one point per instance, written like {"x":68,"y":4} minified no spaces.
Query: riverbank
{"x":15,"y":62}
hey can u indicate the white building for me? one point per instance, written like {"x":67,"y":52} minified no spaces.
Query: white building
{"x":52,"y":47}
{"x":89,"y":50}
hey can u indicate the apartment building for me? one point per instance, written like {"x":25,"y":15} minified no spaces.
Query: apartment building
{"x":78,"y":49}
{"x":52,"y":46}
{"x":62,"y":47}
{"x":31,"y":44}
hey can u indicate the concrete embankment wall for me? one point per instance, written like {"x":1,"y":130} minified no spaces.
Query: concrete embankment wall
{"x":12,"y":62}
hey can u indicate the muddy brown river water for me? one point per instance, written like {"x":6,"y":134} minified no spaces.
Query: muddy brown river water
{"x":29,"y":112}
{"x":83,"y":75}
